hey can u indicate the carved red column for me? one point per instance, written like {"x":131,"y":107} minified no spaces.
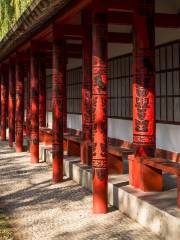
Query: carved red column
{"x":28,"y":110}
{"x":58,"y":105}
{"x":143,"y":87}
{"x":65,"y":94}
{"x":86,"y":157}
{"x":4,"y":98}
{"x":34,"y":102}
{"x":19,"y":105}
{"x":11,"y":103}
{"x":99,"y":113}
{"x":42,"y":92}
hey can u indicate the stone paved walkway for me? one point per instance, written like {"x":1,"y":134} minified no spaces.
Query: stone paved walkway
{"x":42,"y":211}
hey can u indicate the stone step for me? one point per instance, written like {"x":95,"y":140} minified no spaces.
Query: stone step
{"x":157,"y":211}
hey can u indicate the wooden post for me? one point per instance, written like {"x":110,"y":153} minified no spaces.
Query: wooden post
{"x":4,"y":98}
{"x":11,"y":103}
{"x":99,"y":112}
{"x":58,"y":108}
{"x":42,"y":92}
{"x":65,"y":92}
{"x":19,"y":105}
{"x":28,"y":110}
{"x":143,"y":87}
{"x":144,"y":79}
{"x":34,"y":102}
{"x":86,"y":156}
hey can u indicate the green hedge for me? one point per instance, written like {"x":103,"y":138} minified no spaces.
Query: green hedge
{"x":10,"y":11}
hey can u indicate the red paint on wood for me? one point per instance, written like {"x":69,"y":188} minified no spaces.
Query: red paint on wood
{"x":19,"y":106}
{"x":11,"y":104}
{"x":58,"y":104}
{"x":34,"y":96}
{"x":121,"y":5}
{"x":144,"y":79}
{"x":65,"y":94}
{"x":99,"y":113}
{"x":178,"y":191}
{"x":163,"y":20}
{"x":42,"y":93}
{"x":87,"y":90}
{"x":152,"y":179}
{"x":120,"y":37}
{"x":28,"y":108}
{"x":4,"y":97}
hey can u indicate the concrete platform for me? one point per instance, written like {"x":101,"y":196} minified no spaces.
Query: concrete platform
{"x":156,"y":211}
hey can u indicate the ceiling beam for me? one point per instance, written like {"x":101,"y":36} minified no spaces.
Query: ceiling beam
{"x":67,"y":30}
{"x":121,"y":5}
{"x":163,"y":20}
{"x":167,"y":20}
{"x":114,"y":37}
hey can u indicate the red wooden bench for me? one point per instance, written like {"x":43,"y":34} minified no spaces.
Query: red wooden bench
{"x":152,"y":179}
{"x":73,"y":144}
{"x":115,"y":153}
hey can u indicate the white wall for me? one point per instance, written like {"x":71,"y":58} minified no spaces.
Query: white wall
{"x":167,"y":136}
{"x":49,"y":119}
{"x":74,"y":121}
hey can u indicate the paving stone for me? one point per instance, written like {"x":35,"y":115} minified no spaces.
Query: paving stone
{"x":39,"y":210}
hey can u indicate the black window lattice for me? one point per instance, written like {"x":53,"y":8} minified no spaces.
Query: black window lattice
{"x":74,"y":91}
{"x":120,"y":85}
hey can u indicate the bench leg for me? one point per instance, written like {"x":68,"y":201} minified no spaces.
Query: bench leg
{"x":68,"y":145}
{"x":65,"y":145}
{"x":152,"y":180}
{"x":115,"y":164}
{"x":144,"y":177}
{"x":86,"y":156}
{"x":73,"y":149}
{"x":134,"y":171}
{"x":178,"y":191}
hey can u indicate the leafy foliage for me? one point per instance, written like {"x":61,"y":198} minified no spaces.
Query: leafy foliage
{"x":10,"y":11}
{"x":6,"y":232}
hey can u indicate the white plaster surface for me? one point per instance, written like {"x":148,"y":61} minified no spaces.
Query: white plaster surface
{"x":167,"y":136}
{"x":74,"y":121}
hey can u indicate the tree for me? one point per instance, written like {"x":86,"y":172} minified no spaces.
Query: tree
{"x":10,"y":11}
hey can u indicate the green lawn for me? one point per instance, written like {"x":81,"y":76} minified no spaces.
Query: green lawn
{"x":5,"y":229}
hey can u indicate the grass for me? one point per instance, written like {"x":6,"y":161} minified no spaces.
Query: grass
{"x":6,"y":232}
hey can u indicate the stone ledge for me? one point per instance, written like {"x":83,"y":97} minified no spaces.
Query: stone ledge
{"x":155,"y":211}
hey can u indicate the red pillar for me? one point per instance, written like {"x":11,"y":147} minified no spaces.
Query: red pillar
{"x":144,"y":79}
{"x":19,"y":105}
{"x":28,"y":112}
{"x":34,"y":103}
{"x":99,"y":113}
{"x":87,"y":89}
{"x":143,"y":87}
{"x":65,"y":94}
{"x":58,"y":105}
{"x":4,"y":97}
{"x":11,"y":104}
{"x":42,"y":92}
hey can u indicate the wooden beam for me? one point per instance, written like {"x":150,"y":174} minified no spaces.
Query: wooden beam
{"x":119,"y":37}
{"x":166,"y":20}
{"x":113,"y":37}
{"x":120,"y":18}
{"x":163,"y":20}
{"x":121,"y":5}
{"x":66,"y":30}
